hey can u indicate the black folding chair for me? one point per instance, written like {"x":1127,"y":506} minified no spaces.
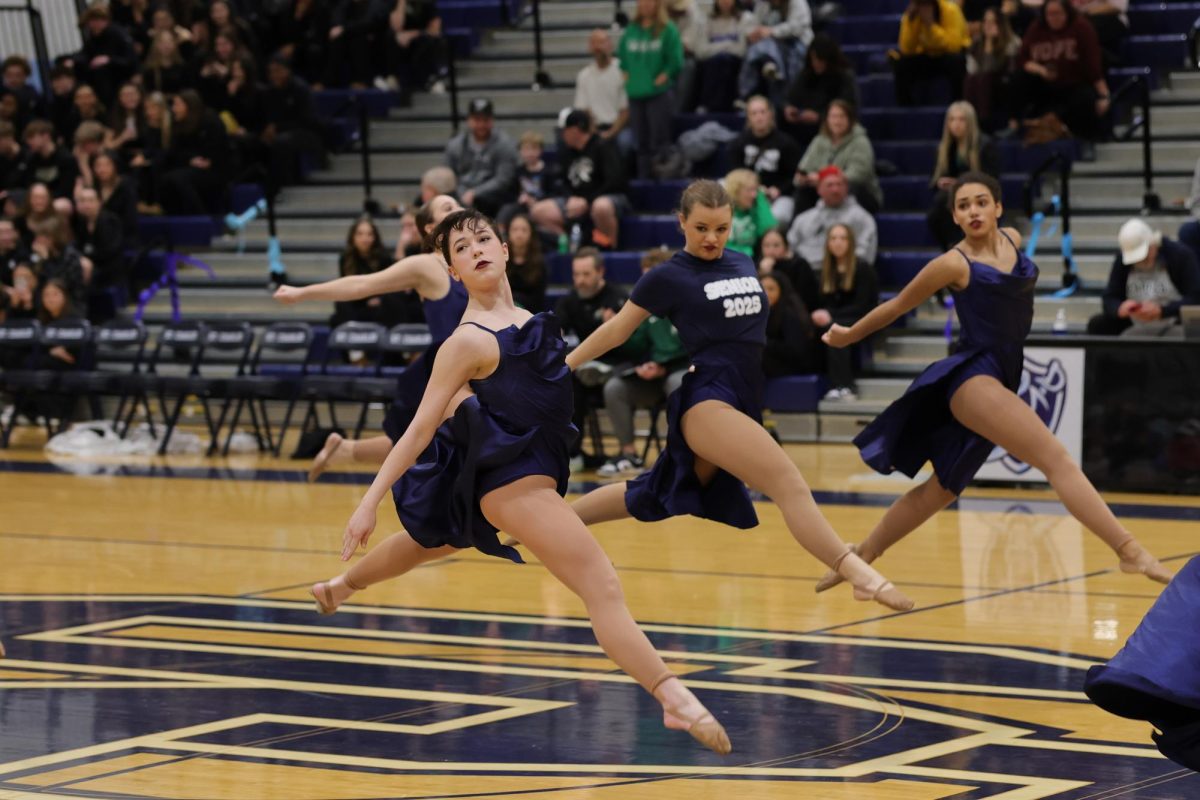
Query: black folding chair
{"x":20,"y":348}
{"x":118,"y":352}
{"x":276,"y":372}
{"x":332,"y":383}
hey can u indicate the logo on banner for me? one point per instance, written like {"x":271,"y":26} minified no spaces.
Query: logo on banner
{"x":1044,"y":389}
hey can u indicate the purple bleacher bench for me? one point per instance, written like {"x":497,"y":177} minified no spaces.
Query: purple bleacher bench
{"x":794,"y":394}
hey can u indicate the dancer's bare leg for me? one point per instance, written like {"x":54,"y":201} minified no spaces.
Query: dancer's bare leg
{"x":391,"y":558}
{"x":908,"y":513}
{"x":532,"y":510}
{"x":602,"y":505}
{"x":984,"y":405}
{"x":340,"y":450}
{"x":722,"y":436}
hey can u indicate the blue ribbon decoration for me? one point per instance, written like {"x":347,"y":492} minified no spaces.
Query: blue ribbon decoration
{"x":275,"y":257}
{"x":169,"y":279}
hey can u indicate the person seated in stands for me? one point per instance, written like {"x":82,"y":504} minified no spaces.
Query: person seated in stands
{"x":437,"y":181}
{"x":217,"y":71}
{"x":772,"y":154}
{"x":792,"y":346}
{"x":778,"y":258}
{"x":990,"y":64}
{"x":301,"y":35}
{"x":194,"y":168}
{"x":415,"y":52}
{"x":721,"y":44}
{"x":164,"y":68}
{"x":933,"y":44}
{"x":1111,"y":22}
{"x":16,"y":72}
{"x":1059,"y":76}
{"x":1189,"y":232}
{"x":485,"y":160}
{"x":752,"y":216}
{"x":843,"y":143}
{"x":827,"y":76}
{"x":964,"y":148}
{"x":62,"y":97}
{"x":779,"y":34}
{"x":526,"y":265}
{"x":53,"y":256}
{"x":656,"y":371}
{"x":365,"y":254}
{"x":99,"y":240}
{"x":15,"y":295}
{"x":1151,"y":278}
{"x":354,"y":41}
{"x":117,"y":193}
{"x":849,"y":290}
{"x":223,"y":16}
{"x":48,"y":163}
{"x":89,"y":142}
{"x":38,"y":206}
{"x":126,"y":123}
{"x":594,"y":180}
{"x":13,"y":251}
{"x":537,"y":178}
{"x":408,"y":243}
{"x":88,"y":109}
{"x":292,"y":130}
{"x":807,"y":234}
{"x":600,"y":91}
{"x":13,"y":162}
{"x":107,"y":58}
{"x":687,"y":20}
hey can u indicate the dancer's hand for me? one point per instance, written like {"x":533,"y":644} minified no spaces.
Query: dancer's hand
{"x":288,"y":295}
{"x":837,"y":336}
{"x":358,"y":531}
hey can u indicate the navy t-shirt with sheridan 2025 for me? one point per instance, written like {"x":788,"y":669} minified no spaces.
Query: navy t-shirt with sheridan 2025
{"x":720,"y":311}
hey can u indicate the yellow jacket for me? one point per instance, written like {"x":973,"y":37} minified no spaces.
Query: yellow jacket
{"x":950,"y":36}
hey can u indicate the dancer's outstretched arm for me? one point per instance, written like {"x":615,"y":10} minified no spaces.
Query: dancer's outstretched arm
{"x":611,"y":334}
{"x":469,"y":353}
{"x":418,"y":272}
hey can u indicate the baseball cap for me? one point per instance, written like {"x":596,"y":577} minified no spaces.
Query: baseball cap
{"x":481,"y":106}
{"x":1135,"y":239}
{"x":830,"y":171}
{"x":577,"y":118}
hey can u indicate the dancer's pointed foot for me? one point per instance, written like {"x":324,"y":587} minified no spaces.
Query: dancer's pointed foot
{"x":1136,"y":559}
{"x":324,"y":458}
{"x":868,"y":583}
{"x":330,"y":594}
{"x":832,"y":578}
{"x":686,"y":713}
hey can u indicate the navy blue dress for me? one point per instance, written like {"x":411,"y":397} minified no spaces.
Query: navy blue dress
{"x":442,"y":316}
{"x":995,"y":312}
{"x":1156,"y":675}
{"x":720,"y":311}
{"x":518,"y":423}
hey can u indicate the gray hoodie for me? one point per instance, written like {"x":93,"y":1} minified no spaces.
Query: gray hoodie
{"x":490,"y":171}
{"x":807,"y":235}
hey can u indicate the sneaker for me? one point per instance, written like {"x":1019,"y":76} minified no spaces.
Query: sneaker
{"x":593,"y":373}
{"x":840,"y":394}
{"x":437,"y":87}
{"x":620,"y":465}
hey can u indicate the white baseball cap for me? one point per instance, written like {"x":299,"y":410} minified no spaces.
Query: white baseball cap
{"x":1135,"y":240}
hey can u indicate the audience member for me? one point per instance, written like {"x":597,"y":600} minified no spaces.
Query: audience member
{"x":843,"y":143}
{"x":89,"y":142}
{"x":164,"y":69}
{"x":593,"y":176}
{"x":770,"y":153}
{"x":752,"y":216}
{"x":47,"y":162}
{"x":88,"y":108}
{"x":52,"y":256}
{"x":37,"y":207}
{"x":792,"y":346}
{"x":849,"y":290}
{"x":301,"y":35}
{"x":117,"y":193}
{"x":107,"y":58}
{"x":526,"y":265}
{"x":964,"y":148}
{"x":216,"y":71}
{"x":353,"y":42}
{"x":1151,"y":278}
{"x":485,"y":160}
{"x":721,"y":45}
{"x":656,"y":373}
{"x":600,"y":91}
{"x":933,"y":41}
{"x":651,"y":56}
{"x":990,"y":63}
{"x":194,"y":169}
{"x":126,"y":123}
{"x":778,"y":36}
{"x":536,"y":178}
{"x":827,"y":76}
{"x":807,"y":234}
{"x":687,"y":20}
{"x":13,"y":165}
{"x":415,"y":51}
{"x":365,"y":254}
{"x":99,"y":240}
{"x":292,"y":132}
{"x":62,"y":97}
{"x":1111,"y":23}
{"x":16,"y":72}
{"x":777,"y":257}
{"x":1059,"y":75}
{"x":437,"y":181}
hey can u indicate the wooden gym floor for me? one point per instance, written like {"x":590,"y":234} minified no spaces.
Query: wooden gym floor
{"x":160,"y":645}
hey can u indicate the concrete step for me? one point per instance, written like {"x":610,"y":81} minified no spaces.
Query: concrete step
{"x":296,"y":234}
{"x":385,"y":167}
{"x":1109,"y":193}
{"x":1175,"y":120}
{"x":505,"y":101}
{"x":1100,"y":230}
{"x":249,"y":304}
{"x":597,"y":13}
{"x":252,"y":268}
{"x":915,"y":348}
{"x":344,"y":200}
{"x":476,"y":75}
{"x":1178,"y":157}
{"x":519,"y":44}
{"x":880,"y":389}
{"x":399,"y":133}
{"x":842,"y":421}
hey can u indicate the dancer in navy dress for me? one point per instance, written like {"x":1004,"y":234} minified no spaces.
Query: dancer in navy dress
{"x":959,"y":408}
{"x":443,"y":301}
{"x":716,"y":444}
{"x":1155,"y":676}
{"x":501,"y":461}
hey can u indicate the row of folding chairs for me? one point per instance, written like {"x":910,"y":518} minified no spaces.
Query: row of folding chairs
{"x":220,"y":364}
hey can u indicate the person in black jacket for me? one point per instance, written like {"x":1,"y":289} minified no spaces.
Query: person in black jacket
{"x":827,"y":76}
{"x":849,"y":289}
{"x":593,"y":174}
{"x":365,"y":254}
{"x":777,"y":258}
{"x":53,"y":256}
{"x":292,"y":130}
{"x":769,"y":153}
{"x":47,"y":162}
{"x":117,"y":193}
{"x":193,"y":181}
{"x":792,"y":346}
{"x":964,"y":148}
{"x":353,"y":41}
{"x":301,"y":35}
{"x":99,"y":240}
{"x":1151,"y":278}
{"x":108,"y":58}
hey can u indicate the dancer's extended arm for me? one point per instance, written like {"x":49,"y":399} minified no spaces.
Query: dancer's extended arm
{"x":467,"y":354}
{"x":418,"y":272}
{"x":610,"y":335}
{"x":948,"y":269}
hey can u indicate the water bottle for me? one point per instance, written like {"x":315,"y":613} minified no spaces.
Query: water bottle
{"x":564,"y":246}
{"x":1060,"y":322}
{"x":576,"y":237}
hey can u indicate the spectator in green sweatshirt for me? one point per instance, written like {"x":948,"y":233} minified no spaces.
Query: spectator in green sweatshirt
{"x":651,"y":56}
{"x":752,"y":216}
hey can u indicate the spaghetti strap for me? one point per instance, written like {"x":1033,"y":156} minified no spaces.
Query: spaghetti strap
{"x":964,"y":255}
{"x":477,"y":325}
{"x":1010,"y":241}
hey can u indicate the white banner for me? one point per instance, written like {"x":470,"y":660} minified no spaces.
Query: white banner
{"x":1052,"y":385}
